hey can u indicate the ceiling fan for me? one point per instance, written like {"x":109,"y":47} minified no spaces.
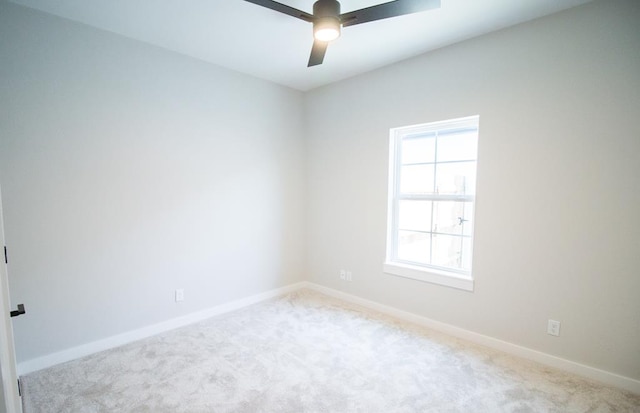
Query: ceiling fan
{"x":327,"y":19}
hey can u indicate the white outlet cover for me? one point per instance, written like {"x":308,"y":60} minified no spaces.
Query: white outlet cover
{"x":179,"y":295}
{"x":553,"y":328}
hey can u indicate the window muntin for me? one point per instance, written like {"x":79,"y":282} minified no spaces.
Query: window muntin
{"x":432,"y":191}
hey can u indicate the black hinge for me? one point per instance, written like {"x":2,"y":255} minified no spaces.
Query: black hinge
{"x":19,"y":311}
{"x":19,"y":389}
{"x":6,"y":260}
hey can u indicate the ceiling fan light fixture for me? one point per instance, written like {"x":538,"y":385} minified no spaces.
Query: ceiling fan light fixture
{"x":328,"y":21}
{"x":326,"y":29}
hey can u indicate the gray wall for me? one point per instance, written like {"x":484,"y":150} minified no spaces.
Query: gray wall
{"x":557,"y":223}
{"x":128,"y":171}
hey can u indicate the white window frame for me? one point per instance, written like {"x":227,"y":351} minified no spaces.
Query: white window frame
{"x":424,"y":272}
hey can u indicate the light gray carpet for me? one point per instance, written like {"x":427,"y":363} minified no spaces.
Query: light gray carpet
{"x":306,"y":352}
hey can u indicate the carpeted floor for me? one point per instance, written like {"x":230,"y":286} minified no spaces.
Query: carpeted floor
{"x":309,"y":353}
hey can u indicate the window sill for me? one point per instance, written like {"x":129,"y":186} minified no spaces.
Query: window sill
{"x":448,"y":279}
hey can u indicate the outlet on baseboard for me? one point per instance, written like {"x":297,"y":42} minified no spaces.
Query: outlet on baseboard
{"x":553,"y":328}
{"x":179,"y":295}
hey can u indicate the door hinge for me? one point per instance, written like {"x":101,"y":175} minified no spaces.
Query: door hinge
{"x":6,"y":260}
{"x":19,"y":389}
{"x":19,"y":311}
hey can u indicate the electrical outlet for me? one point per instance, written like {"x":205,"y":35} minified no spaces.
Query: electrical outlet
{"x":553,"y":328}
{"x":179,"y":295}
{"x":349,"y":276}
{"x":343,"y":275}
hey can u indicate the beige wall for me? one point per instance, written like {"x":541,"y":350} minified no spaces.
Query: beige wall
{"x":557,"y":223}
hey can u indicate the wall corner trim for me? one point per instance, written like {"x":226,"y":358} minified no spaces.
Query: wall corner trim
{"x":588,"y":372}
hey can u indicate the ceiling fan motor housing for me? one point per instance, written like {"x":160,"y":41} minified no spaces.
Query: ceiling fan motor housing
{"x":326,"y":8}
{"x":327,"y":16}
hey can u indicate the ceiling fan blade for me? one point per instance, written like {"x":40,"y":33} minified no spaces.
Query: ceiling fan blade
{"x":283,"y":8}
{"x":386,"y":10}
{"x":317,"y":53}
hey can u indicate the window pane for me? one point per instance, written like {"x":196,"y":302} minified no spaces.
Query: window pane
{"x":458,"y":178}
{"x":466,"y":254}
{"x":447,"y":251}
{"x":417,"y":179}
{"x":433,"y":177}
{"x":467,"y":216}
{"x":419,"y":150}
{"x":414,"y":246}
{"x":448,"y":217}
{"x":457,"y":146}
{"x":415,"y":215}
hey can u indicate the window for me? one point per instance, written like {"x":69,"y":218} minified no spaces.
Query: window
{"x":432,"y":188}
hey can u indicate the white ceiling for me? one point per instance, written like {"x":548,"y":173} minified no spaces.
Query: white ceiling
{"x":273,"y":46}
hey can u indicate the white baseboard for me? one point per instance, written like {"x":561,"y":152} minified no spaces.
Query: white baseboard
{"x":73,"y":353}
{"x":592,"y":373}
